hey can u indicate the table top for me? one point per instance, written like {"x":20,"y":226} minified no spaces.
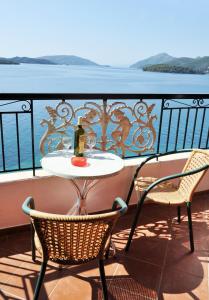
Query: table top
{"x":100,"y":164}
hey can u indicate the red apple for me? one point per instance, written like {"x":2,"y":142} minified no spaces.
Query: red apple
{"x":79,"y":161}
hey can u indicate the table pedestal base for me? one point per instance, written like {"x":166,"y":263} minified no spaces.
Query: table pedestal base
{"x":79,"y":208}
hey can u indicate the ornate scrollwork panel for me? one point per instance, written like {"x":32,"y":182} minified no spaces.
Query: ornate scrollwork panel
{"x":118,"y":127}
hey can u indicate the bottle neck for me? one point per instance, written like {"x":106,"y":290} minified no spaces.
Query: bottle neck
{"x":79,"y":121}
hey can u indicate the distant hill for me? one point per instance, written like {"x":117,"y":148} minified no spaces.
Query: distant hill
{"x":164,"y":62}
{"x":167,"y":68}
{"x":6,"y":61}
{"x":49,"y":60}
{"x":69,"y":60}
{"x":199,"y":64}
{"x":29,"y":60}
{"x":153,"y":60}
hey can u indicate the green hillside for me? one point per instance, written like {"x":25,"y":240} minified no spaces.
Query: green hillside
{"x":166,"y":68}
{"x":5,"y":61}
{"x":199,"y":64}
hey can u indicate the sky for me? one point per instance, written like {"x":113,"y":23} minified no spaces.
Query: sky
{"x":113,"y":32}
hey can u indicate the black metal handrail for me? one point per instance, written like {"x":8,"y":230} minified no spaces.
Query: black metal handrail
{"x":97,"y":96}
{"x":183,"y":122}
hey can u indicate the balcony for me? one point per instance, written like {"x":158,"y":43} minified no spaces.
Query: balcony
{"x":159,"y":264}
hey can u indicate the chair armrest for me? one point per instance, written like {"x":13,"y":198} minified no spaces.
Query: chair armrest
{"x":28,"y":205}
{"x":123,"y":206}
{"x":157,"y":155}
{"x":138,"y":169}
{"x":178,"y":175}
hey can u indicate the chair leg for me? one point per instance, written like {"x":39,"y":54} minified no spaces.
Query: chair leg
{"x":130,"y":191}
{"x":103,"y":279}
{"x":107,"y":253}
{"x":40,"y":280}
{"x":179,"y":214}
{"x":190,"y":226}
{"x":33,"y":254}
{"x":133,"y":227}
{"x":33,"y":247}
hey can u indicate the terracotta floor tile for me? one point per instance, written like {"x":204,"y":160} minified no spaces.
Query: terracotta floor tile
{"x":17,"y":244}
{"x":180,"y":258}
{"x":148,"y":249}
{"x":156,"y":211}
{"x":91,"y":269}
{"x":160,"y":246}
{"x":22,"y":282}
{"x":123,"y":223}
{"x":137,"y":277}
{"x":116,"y":293}
{"x":180,"y":285}
{"x":197,"y":216}
{"x":148,"y":229}
{"x":9,"y":265}
{"x":8,"y":296}
{"x":180,"y":232}
{"x":151,"y":227}
{"x":75,"y":287}
{"x":120,"y":239}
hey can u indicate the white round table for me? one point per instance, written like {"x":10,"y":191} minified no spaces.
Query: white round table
{"x":99,"y":165}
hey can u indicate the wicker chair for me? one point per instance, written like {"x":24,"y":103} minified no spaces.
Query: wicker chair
{"x":66,"y":239}
{"x":163,"y":191}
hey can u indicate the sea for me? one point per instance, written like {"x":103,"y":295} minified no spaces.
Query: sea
{"x":34,"y":78}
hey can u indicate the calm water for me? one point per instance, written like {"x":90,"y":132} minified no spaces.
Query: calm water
{"x":49,"y":78}
{"x":67,"y":79}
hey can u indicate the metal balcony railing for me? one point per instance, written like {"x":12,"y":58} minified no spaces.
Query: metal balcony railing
{"x":128,"y":124}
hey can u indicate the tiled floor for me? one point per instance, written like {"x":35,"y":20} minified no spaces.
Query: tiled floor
{"x":158,"y":265}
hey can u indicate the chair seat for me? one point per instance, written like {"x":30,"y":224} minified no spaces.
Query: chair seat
{"x":164,"y":193}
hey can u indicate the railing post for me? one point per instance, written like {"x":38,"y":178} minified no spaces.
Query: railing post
{"x":2,"y":142}
{"x":185,"y":132}
{"x":32,"y":139}
{"x":104,"y":125}
{"x":177,"y":129}
{"x":160,"y":126}
{"x":18,"y":139}
{"x":202,"y":126}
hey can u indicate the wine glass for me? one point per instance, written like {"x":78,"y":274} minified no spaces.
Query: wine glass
{"x":91,"y":142}
{"x":67,"y":143}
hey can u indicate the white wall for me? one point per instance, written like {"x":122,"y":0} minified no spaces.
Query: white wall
{"x":56,"y":195}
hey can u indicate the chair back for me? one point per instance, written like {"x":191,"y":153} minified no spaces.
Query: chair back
{"x":187,"y":185}
{"x":68,"y":239}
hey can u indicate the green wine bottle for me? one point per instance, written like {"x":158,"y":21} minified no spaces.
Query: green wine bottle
{"x":79,"y":139}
